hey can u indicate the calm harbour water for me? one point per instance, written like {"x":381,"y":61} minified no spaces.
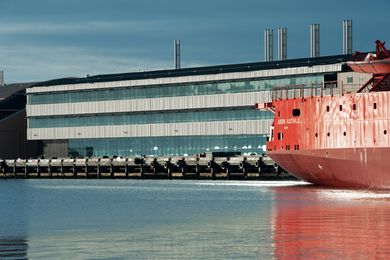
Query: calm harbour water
{"x":162,"y":219}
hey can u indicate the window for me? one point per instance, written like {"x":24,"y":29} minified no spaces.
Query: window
{"x":174,"y":145}
{"x":280,"y":136}
{"x":354,"y":107}
{"x":296,"y":112}
{"x":149,"y":118}
{"x":170,"y":90}
{"x":341,"y":108}
{"x":327,"y":108}
{"x":349,"y":79}
{"x":375,"y":105}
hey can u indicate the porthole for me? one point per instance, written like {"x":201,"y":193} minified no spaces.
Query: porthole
{"x":296,"y":112}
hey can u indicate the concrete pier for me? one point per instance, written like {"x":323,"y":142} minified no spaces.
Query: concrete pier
{"x":191,"y":167}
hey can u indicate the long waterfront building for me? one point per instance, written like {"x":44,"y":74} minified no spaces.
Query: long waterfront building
{"x":168,"y":112}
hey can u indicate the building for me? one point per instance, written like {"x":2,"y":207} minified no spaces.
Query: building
{"x":168,"y":112}
{"x":13,"y":125}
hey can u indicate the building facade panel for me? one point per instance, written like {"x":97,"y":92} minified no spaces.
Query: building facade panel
{"x":163,"y":91}
{"x":191,"y":79}
{"x":174,"y":103}
{"x":160,"y":117}
{"x":145,"y":130}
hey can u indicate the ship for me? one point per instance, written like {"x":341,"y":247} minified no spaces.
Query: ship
{"x":341,"y":140}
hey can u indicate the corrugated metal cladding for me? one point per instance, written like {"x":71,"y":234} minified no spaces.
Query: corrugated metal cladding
{"x":193,"y":79}
{"x":248,"y":127}
{"x":151,"y":104}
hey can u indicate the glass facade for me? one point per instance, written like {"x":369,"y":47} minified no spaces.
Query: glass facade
{"x":149,"y":118}
{"x":172,"y":90}
{"x":166,"y":146}
{"x":163,"y":145}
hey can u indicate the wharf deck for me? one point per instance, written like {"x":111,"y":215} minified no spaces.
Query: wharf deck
{"x":192,"y":167}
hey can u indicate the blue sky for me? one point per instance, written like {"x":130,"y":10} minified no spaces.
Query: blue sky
{"x":46,"y":39}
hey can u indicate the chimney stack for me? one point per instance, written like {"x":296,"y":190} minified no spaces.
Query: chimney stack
{"x":282,"y":44}
{"x":176,"y":53}
{"x":314,"y":40}
{"x":347,"y":36}
{"x":269,"y":45}
{"x":1,"y":78}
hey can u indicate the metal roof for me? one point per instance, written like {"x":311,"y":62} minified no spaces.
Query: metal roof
{"x":11,"y":89}
{"x":242,"y":67}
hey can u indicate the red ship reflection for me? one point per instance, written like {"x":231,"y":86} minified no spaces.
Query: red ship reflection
{"x":312,"y":223}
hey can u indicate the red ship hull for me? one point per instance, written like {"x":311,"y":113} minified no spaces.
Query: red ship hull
{"x":338,"y":141}
{"x":366,"y":168}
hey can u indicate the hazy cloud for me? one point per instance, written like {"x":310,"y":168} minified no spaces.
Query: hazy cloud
{"x":44,"y":39}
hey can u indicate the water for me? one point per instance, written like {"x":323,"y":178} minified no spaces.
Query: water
{"x":142,"y":219}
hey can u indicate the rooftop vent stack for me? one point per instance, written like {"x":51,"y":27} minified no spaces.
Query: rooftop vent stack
{"x":1,"y":78}
{"x":176,"y":54}
{"x":347,"y":36}
{"x":269,"y":45}
{"x":282,"y":43}
{"x":314,"y":40}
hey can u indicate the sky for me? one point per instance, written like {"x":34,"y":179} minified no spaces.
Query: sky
{"x":48,"y":39}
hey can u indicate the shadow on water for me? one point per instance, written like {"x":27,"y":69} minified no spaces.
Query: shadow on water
{"x":13,"y":248}
{"x":318,"y":223}
{"x":14,"y":220}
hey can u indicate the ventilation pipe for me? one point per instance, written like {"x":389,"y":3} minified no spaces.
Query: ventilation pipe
{"x":1,"y":78}
{"x":282,"y":44}
{"x":347,"y":36}
{"x":176,"y":54}
{"x":314,"y":40}
{"x":269,"y":45}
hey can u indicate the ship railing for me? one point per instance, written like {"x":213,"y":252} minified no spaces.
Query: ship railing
{"x":304,"y":90}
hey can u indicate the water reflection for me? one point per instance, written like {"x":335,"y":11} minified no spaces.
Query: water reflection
{"x":13,"y":248}
{"x":130,"y":219}
{"x":317,"y":223}
{"x":14,"y":220}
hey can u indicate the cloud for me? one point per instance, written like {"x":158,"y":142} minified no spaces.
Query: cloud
{"x":42,"y":27}
{"x":44,"y":39}
{"x":51,"y":63}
